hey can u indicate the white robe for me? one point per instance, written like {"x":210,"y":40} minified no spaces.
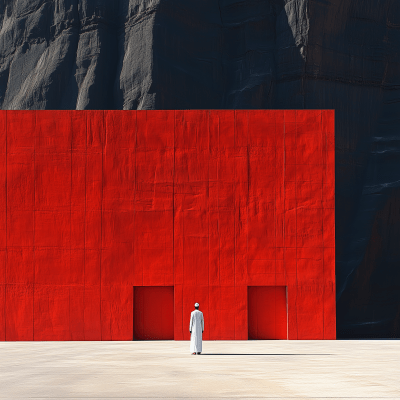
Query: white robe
{"x":197,"y":328}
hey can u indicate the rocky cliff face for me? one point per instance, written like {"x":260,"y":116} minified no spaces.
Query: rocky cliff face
{"x":179,"y":54}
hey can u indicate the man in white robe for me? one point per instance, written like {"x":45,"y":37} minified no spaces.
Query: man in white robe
{"x":196,"y":329}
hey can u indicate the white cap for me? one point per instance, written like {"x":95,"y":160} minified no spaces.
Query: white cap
{"x":196,"y":304}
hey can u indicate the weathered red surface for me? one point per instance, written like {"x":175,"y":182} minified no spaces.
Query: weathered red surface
{"x":94,"y":203}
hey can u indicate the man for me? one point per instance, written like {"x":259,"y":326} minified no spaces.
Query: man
{"x":196,"y":329}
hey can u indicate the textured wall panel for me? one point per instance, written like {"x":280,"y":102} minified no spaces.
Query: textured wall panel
{"x":95,"y":203}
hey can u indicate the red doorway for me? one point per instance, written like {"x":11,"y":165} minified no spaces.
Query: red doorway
{"x":153,"y":317}
{"x":267,"y":312}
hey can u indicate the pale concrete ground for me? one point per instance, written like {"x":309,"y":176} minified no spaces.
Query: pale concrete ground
{"x":227,"y":369}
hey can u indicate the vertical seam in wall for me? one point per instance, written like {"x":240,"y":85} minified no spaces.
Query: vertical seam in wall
{"x":145,"y":149}
{"x":5,"y":272}
{"x":219,"y":236}
{"x":276,"y":225}
{"x":34,"y":218}
{"x":134,"y":226}
{"x":102,"y":134}
{"x":70,"y":234}
{"x":208,"y":197}
{"x":173,"y":221}
{"x":334,"y":210}
{"x":183,"y":233}
{"x":283,"y":223}
{"x":84,"y":234}
{"x":323,"y":134}
{"x":247,"y":220}
{"x":295,"y":199}
{"x":234,"y":215}
{"x":134,"y":188}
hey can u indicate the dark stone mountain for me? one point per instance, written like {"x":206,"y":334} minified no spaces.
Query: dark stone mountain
{"x":180,"y":54}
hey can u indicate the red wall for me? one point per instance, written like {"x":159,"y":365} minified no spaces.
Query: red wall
{"x":93,"y":203}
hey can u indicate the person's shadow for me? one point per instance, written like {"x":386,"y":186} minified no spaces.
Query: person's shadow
{"x":261,"y":354}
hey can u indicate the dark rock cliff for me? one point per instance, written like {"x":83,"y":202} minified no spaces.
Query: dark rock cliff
{"x":179,"y":54}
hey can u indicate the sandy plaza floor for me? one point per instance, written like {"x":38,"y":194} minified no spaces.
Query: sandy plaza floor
{"x":226,"y":369}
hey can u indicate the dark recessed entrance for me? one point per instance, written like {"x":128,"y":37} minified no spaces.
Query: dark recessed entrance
{"x":267,"y":312}
{"x":153,"y":315}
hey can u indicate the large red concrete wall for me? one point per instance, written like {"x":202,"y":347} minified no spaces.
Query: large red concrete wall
{"x":210,"y":202}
